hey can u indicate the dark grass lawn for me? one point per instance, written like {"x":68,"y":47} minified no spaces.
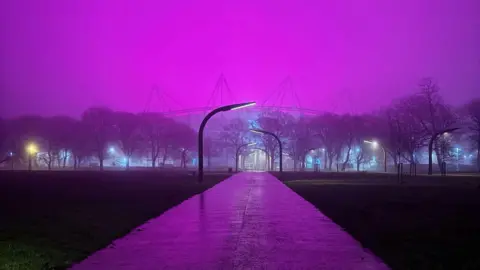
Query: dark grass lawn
{"x":408,"y":226}
{"x":50,"y":219}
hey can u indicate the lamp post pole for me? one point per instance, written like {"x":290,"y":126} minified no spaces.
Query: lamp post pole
{"x":374,"y":144}
{"x":202,"y":127}
{"x":260,"y":131}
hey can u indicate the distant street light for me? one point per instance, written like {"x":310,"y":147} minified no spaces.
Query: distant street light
{"x":238,"y":151}
{"x":32,"y":150}
{"x":260,"y":131}
{"x":430,"y":147}
{"x":202,"y":127}
{"x":375,"y":144}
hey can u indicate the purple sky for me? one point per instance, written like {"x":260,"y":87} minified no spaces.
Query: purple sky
{"x":60,"y":56}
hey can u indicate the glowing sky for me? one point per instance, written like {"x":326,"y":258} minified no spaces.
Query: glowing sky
{"x":60,"y":56}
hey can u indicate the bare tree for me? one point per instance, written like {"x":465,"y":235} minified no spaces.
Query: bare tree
{"x":153,"y":127}
{"x":300,"y":141}
{"x":428,"y":109}
{"x":129,"y":133}
{"x":57,"y":132}
{"x":276,"y":122}
{"x":234,"y":134}
{"x":326,"y":127}
{"x":100,"y":123}
{"x":472,"y":110}
{"x":183,"y":142}
{"x":80,"y":144}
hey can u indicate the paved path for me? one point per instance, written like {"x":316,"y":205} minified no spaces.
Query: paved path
{"x":249,"y":221}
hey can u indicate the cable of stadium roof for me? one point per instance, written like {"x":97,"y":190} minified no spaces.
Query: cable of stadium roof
{"x":257,"y":108}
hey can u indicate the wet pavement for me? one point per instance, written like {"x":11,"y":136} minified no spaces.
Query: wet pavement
{"x":249,"y":221}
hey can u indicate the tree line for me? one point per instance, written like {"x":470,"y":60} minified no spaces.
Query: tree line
{"x":403,"y":129}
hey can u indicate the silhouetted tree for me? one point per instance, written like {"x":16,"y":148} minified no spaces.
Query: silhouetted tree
{"x":128,"y":126}
{"x":152,"y":127}
{"x":234,"y":134}
{"x":80,"y":143}
{"x":276,"y":122}
{"x":300,"y":141}
{"x":473,"y":123}
{"x":99,"y":122}
{"x":56,"y":134}
{"x":326,"y":126}
{"x":183,"y":142}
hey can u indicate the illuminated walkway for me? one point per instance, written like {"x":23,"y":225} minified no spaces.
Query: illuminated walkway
{"x":250,"y":221}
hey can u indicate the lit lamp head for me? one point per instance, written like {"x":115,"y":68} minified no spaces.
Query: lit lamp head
{"x":238,"y":106}
{"x":251,"y":144}
{"x":373,"y":143}
{"x":32,"y":149}
{"x":258,"y":131}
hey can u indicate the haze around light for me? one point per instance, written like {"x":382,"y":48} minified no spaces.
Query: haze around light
{"x":60,"y":57}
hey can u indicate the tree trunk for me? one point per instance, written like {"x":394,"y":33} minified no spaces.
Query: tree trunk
{"x":325,"y":161}
{"x":164,"y":158}
{"x":154,"y":161}
{"x":75,"y":164}
{"x":100,"y":159}
{"x":358,"y":165}
{"x":184,"y":158}
{"x":64,"y":160}
{"x":59,"y":160}
{"x":439,"y":159}
{"x":127,"y":165}
{"x":154,"y":156}
{"x":330,"y":163}
{"x":478,"y":155}
{"x":478,"y":151}
{"x":50,"y":159}
{"x":344,"y":165}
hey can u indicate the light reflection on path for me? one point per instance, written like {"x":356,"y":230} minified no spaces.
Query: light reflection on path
{"x":249,"y":221}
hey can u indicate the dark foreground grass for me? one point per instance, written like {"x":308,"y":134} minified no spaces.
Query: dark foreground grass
{"x":408,"y":226}
{"x":48,"y":220}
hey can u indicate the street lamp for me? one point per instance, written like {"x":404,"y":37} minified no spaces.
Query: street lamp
{"x":202,"y":127}
{"x":32,"y":149}
{"x":375,"y":144}
{"x":430,"y":147}
{"x":238,"y":151}
{"x":260,"y":131}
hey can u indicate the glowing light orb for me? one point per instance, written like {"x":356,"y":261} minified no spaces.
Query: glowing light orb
{"x":32,"y":148}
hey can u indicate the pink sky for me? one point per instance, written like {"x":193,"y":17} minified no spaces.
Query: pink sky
{"x":60,"y":56}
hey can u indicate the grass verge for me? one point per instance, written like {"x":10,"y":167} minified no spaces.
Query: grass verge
{"x":408,"y":226}
{"x":48,"y":220}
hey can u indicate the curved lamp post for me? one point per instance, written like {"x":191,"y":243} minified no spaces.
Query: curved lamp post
{"x":238,"y":151}
{"x":430,"y":147}
{"x":260,"y":131}
{"x":202,"y":127}
{"x":374,"y":145}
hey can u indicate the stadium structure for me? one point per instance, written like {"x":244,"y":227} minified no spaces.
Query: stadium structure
{"x":159,"y":100}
